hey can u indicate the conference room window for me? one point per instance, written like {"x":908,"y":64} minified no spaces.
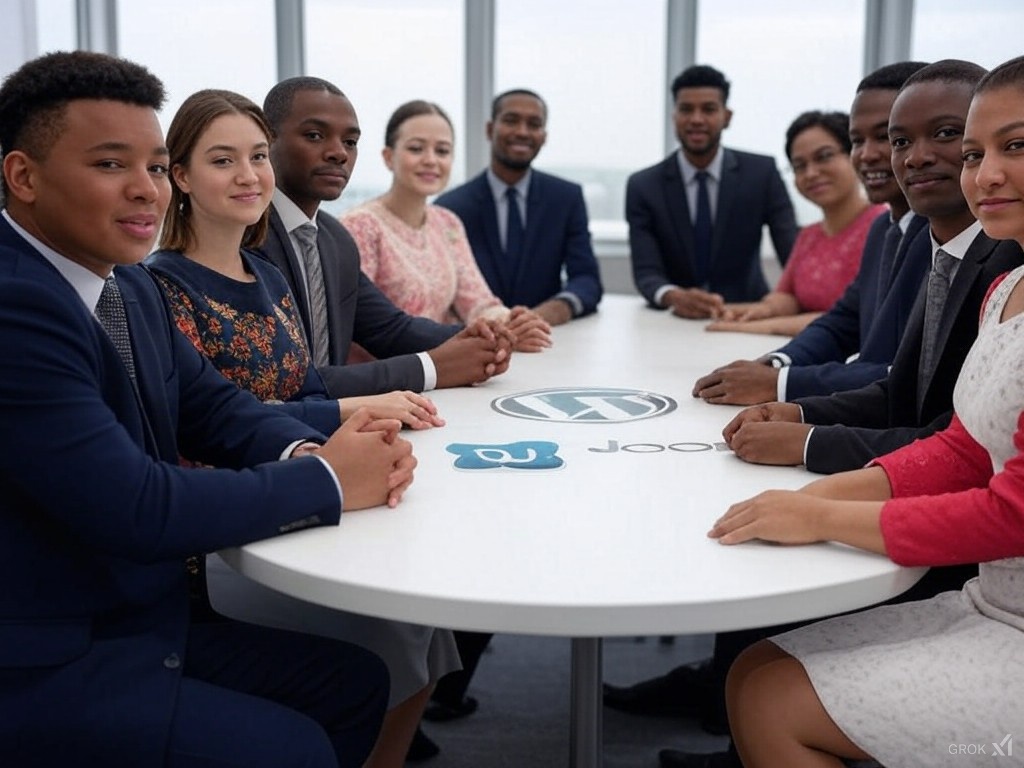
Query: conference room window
{"x":782,"y":58}
{"x":228,"y":44}
{"x":985,"y":33}
{"x":381,"y":55}
{"x":600,"y":65}
{"x":55,"y":25}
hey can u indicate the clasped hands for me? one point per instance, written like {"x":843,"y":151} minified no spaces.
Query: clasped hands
{"x":371,"y":461}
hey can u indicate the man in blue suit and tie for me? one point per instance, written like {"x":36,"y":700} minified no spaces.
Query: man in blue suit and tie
{"x":100,"y":662}
{"x":695,"y":218}
{"x":527,"y":227}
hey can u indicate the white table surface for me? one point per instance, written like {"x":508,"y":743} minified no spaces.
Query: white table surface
{"x":612,"y":543}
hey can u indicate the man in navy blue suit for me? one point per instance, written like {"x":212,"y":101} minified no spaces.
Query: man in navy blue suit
{"x":854,"y":343}
{"x":527,"y":227}
{"x":695,"y":218}
{"x":100,"y":664}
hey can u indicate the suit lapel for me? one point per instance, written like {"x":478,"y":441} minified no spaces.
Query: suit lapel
{"x":727,"y":191}
{"x":288,"y":262}
{"x":678,"y":208}
{"x":493,"y":254}
{"x":963,"y":281}
{"x":145,"y":397}
{"x":889,"y":274}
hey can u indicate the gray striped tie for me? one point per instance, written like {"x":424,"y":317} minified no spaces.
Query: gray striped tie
{"x":306,"y":235}
{"x":110,"y":313}
{"x":935,"y":302}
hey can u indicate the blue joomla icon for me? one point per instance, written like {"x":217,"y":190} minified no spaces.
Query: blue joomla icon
{"x":524,"y":454}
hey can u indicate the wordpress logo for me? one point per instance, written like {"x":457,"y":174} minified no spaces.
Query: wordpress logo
{"x":524,"y":454}
{"x":585,"y":405}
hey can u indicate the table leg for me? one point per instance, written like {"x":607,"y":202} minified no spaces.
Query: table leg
{"x":586,"y":703}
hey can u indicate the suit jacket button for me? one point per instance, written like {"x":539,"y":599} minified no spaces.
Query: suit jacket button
{"x":172,"y":661}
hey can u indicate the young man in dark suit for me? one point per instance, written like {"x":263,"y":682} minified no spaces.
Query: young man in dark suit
{"x":845,"y":430}
{"x":852,"y":344}
{"x":695,"y":218}
{"x":314,"y":150}
{"x":100,"y":664}
{"x":523,"y":250}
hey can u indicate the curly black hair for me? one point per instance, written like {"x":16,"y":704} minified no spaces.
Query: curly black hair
{"x":33,"y":99}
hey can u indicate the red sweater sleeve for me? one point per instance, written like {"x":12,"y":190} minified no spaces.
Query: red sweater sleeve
{"x":948,"y":507}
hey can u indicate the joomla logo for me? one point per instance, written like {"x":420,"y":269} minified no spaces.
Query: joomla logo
{"x":583,"y":405}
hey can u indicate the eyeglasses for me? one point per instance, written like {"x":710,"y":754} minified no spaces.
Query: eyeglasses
{"x":823,"y":156}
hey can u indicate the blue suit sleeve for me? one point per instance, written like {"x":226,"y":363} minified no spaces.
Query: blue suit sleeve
{"x":644,"y":252}
{"x":76,"y":463}
{"x":780,"y":217}
{"x":583,"y":277}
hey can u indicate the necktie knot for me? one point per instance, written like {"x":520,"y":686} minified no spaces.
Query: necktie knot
{"x":306,"y":234}
{"x":944,"y":263}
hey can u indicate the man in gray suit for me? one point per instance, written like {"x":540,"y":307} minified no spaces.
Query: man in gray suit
{"x":314,"y":149}
{"x":695,"y":218}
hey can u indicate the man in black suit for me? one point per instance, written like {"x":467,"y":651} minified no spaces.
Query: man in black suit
{"x":314,"y":150}
{"x":854,"y":343}
{"x":925,"y":129}
{"x":695,"y":218}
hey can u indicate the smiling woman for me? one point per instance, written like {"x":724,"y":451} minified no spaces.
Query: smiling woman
{"x":419,"y":254}
{"x":826,"y":255}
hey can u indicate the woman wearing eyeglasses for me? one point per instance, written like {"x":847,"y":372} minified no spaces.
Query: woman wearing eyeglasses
{"x":826,"y":254}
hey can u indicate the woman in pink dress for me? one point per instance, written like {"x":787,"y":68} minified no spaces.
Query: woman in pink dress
{"x":826,"y":254}
{"x":923,"y":684}
{"x":417,"y":253}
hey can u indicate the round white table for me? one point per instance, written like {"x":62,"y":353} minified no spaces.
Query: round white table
{"x":572,"y":522}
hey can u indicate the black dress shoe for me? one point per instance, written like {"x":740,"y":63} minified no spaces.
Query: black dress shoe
{"x":421,"y":748}
{"x":436,"y":712}
{"x":675,"y":758}
{"x":687,"y":691}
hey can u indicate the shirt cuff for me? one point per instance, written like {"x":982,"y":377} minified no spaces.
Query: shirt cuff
{"x":429,"y":371}
{"x":662,"y":291}
{"x":334,"y":477}
{"x":807,"y":442}
{"x":287,"y":452}
{"x":573,"y":300}
{"x":780,"y":386}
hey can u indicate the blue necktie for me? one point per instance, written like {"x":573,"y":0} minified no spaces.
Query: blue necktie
{"x":702,"y":231}
{"x":513,"y":228}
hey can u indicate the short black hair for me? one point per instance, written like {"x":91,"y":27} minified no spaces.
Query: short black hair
{"x":496,"y":101}
{"x":1008,"y":74}
{"x":950,"y":71}
{"x":701,"y":76}
{"x":837,"y":124}
{"x":278,"y":103}
{"x":33,"y":99}
{"x":891,"y":77}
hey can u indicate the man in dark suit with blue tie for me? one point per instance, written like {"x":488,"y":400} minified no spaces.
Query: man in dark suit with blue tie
{"x":527,"y":227}
{"x":695,"y":219}
{"x":100,"y":664}
{"x":854,"y":343}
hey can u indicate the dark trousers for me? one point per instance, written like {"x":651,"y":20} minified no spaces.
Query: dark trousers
{"x":452,"y":687}
{"x":259,"y":697}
